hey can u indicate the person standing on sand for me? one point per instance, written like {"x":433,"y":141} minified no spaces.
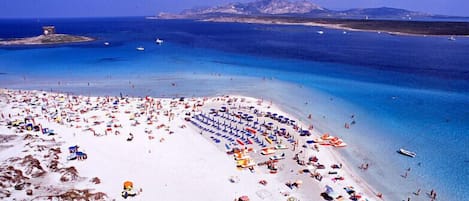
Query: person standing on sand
{"x":380,"y":195}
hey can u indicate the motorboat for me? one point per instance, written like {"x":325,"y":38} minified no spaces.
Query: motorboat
{"x":452,"y":38}
{"x":407,"y":153}
{"x":106,"y":43}
{"x":320,"y":32}
{"x":140,"y":48}
{"x":159,"y":41}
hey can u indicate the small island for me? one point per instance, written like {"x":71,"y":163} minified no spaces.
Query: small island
{"x":48,"y":37}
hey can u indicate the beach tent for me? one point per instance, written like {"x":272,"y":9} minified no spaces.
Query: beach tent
{"x":73,"y":149}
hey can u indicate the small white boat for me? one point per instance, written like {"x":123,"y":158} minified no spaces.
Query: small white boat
{"x":452,"y":38}
{"x":344,"y":32}
{"x":320,"y":32}
{"x":106,"y":43}
{"x":159,"y":41}
{"x":407,"y":153}
{"x":140,"y":48}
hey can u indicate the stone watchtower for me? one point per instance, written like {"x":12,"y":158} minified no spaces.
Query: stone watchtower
{"x":48,"y":30}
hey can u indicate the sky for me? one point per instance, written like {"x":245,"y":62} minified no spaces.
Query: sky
{"x":105,"y":8}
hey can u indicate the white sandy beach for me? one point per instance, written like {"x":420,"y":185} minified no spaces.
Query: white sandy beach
{"x":169,"y":157}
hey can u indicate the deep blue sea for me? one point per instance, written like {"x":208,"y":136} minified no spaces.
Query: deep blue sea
{"x":404,"y":91}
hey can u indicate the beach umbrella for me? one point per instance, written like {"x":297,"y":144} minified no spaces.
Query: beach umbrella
{"x":128,"y":185}
{"x":243,"y":198}
{"x":292,"y":199}
{"x":329,"y":189}
{"x":270,"y":124}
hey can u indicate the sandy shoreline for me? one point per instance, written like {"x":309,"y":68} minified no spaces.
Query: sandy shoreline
{"x":171,"y":141}
{"x":315,"y":24}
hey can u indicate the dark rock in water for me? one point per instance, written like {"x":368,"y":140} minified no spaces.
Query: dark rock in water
{"x":108,"y":59}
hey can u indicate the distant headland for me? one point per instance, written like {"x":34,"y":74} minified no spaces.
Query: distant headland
{"x":306,"y":13}
{"x":394,"y":27}
{"x":48,"y":37}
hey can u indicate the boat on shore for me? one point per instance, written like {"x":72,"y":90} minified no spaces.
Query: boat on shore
{"x":407,"y":153}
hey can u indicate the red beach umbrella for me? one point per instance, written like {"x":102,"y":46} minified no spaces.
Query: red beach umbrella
{"x":243,"y":198}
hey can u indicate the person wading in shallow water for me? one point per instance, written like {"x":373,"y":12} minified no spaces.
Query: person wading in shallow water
{"x":417,"y":192}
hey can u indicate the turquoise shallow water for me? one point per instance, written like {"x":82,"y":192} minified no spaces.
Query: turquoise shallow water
{"x":407,"y":92}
